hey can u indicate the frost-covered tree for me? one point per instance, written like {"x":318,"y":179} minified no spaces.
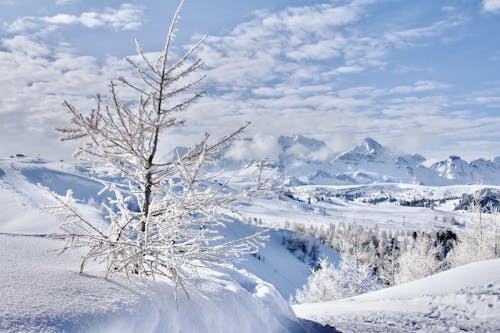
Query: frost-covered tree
{"x":419,"y":259}
{"x":479,"y":240}
{"x":165,"y":214}
{"x":328,"y":282}
{"x":356,"y":277}
{"x":355,"y":241}
{"x":388,"y":266}
{"x":322,"y":285}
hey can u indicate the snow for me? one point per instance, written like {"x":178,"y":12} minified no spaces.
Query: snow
{"x":43,"y":291}
{"x":308,"y":161}
{"x":24,"y":201}
{"x":332,"y":209}
{"x":277,"y":265}
{"x":465,"y":298}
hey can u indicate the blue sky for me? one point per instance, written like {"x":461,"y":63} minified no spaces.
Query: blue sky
{"x":417,"y":76}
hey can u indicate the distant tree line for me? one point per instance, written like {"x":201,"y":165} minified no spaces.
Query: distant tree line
{"x":373,"y":259}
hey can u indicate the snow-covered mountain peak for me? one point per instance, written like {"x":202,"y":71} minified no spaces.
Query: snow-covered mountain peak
{"x":369,"y":146}
{"x":480,"y":171}
{"x":312,"y":144}
{"x":308,"y":160}
{"x":454,"y":168}
{"x":368,"y":149}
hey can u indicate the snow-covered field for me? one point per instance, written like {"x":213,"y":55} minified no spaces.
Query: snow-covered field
{"x":305,"y":208}
{"x":43,"y":291}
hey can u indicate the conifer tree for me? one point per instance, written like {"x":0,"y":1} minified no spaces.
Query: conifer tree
{"x":418,"y":260}
{"x":328,"y":282}
{"x":172,"y":228}
{"x":479,"y":240}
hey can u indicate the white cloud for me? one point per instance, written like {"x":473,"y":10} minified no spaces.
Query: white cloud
{"x":448,"y":9}
{"x":409,"y":36}
{"x":64,"y":2}
{"x":420,"y":86}
{"x":345,"y":70}
{"x":274,"y":70}
{"x":26,"y":46}
{"x":35,"y":80}
{"x":62,"y":19}
{"x":127,"y":17}
{"x":322,"y":50}
{"x":491,"y":6}
{"x":257,"y":50}
{"x":260,"y":147}
{"x":298,"y":44}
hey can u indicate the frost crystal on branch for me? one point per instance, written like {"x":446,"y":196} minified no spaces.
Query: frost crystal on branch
{"x":174,"y":227}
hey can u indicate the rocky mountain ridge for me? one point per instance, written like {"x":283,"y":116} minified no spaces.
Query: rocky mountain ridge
{"x":306,"y":161}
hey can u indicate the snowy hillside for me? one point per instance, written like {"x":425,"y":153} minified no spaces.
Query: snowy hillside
{"x":392,"y":206}
{"x":44,"y":291}
{"x":458,"y":300}
{"x":307,"y":161}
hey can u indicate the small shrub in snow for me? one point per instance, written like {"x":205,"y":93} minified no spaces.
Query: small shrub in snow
{"x":321,"y":285}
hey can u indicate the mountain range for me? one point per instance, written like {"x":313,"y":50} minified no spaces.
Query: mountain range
{"x":306,"y":161}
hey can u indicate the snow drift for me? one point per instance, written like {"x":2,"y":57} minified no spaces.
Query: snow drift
{"x":43,"y":290}
{"x":460,"y":299}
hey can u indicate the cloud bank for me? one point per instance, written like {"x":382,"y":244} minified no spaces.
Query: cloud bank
{"x":491,"y":6}
{"x":127,"y":17}
{"x":302,"y":70}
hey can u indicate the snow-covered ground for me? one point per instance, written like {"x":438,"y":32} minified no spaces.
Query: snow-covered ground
{"x":463,"y":299}
{"x":43,"y":291}
{"x":331,"y":208}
